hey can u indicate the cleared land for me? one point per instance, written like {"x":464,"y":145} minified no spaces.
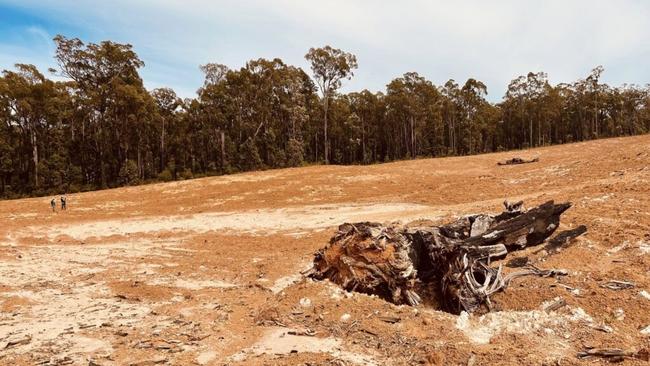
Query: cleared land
{"x":207,"y":271}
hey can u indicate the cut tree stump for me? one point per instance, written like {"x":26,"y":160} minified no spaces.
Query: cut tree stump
{"x":452,"y":261}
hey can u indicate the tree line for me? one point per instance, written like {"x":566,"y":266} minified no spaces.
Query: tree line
{"x":97,"y":126}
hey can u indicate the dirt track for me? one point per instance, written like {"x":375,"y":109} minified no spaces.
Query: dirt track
{"x":207,"y":271}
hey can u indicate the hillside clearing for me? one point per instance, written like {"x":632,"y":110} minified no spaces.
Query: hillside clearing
{"x":206,"y":271}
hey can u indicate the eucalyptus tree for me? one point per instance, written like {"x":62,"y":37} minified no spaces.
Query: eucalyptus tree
{"x":472,"y":95}
{"x":167,"y":103}
{"x":451,"y":112}
{"x":330,"y":66}
{"x":412,"y":107}
{"x":115,"y":103}
{"x":31,"y":106}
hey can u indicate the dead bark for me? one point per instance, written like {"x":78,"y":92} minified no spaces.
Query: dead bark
{"x":453,"y":260}
{"x":370,"y":258}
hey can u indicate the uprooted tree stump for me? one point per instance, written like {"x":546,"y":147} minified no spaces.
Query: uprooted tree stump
{"x":453,"y":261}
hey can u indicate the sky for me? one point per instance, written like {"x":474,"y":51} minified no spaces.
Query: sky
{"x":493,"y":41}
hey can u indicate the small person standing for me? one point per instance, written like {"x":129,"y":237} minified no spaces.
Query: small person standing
{"x":53,"y":204}
{"x":63,"y":202}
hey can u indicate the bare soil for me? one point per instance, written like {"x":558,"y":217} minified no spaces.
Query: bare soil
{"x":207,"y":271}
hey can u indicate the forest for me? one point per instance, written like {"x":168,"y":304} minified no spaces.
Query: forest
{"x":94,"y":125}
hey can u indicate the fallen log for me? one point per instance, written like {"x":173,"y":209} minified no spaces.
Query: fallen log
{"x":453,"y":261}
{"x":517,"y":160}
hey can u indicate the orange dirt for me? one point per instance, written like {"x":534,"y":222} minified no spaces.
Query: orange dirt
{"x":207,"y":271}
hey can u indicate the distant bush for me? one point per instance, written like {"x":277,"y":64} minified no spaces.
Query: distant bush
{"x":249,"y":156}
{"x":129,"y":174}
{"x":165,"y":175}
{"x":187,"y":174}
{"x":295,"y":156}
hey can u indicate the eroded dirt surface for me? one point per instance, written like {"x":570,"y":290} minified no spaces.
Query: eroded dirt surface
{"x":207,"y":271}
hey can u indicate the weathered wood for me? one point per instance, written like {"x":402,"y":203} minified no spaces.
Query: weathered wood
{"x":525,"y":229}
{"x":615,"y":354}
{"x":618,"y":285}
{"x":555,"y":305}
{"x":453,"y":260}
{"x":517,"y":160}
{"x":368,"y":257}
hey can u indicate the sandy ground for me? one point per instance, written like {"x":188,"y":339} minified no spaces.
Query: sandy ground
{"x":207,"y":271}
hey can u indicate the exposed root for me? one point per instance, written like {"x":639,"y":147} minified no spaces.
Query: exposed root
{"x":454,"y":259}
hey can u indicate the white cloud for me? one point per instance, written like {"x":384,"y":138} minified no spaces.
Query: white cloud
{"x":493,"y":41}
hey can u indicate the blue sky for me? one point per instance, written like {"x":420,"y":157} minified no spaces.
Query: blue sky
{"x":493,"y":41}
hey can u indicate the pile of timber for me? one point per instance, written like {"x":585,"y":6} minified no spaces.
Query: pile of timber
{"x":452,"y":261}
{"x":516,"y":160}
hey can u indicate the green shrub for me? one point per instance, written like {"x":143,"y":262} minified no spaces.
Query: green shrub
{"x":295,"y":155}
{"x":129,"y":174}
{"x":187,"y":174}
{"x":249,"y":156}
{"x":165,"y":175}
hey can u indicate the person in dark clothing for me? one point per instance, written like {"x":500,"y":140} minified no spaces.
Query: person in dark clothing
{"x":63,"y":202}
{"x":53,"y":204}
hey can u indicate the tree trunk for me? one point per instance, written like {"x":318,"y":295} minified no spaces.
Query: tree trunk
{"x":413,"y":146}
{"x":454,"y":142}
{"x":223,"y":150}
{"x":35,"y":156}
{"x":102,"y":173}
{"x":84,"y":171}
{"x":596,"y":114}
{"x":451,"y":136}
{"x":162,"y":147}
{"x":363,"y":142}
{"x":539,"y":131}
{"x":140,"y":167}
{"x":470,"y":135}
{"x":193,"y":158}
{"x":316,"y":146}
{"x":326,"y":142}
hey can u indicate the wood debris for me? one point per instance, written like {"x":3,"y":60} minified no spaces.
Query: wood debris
{"x":15,"y":341}
{"x":603,"y":327}
{"x":555,"y":305}
{"x":453,"y":260}
{"x":618,"y":285}
{"x":302,"y":332}
{"x":389,"y":319}
{"x":517,"y":160}
{"x":614,"y":354}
